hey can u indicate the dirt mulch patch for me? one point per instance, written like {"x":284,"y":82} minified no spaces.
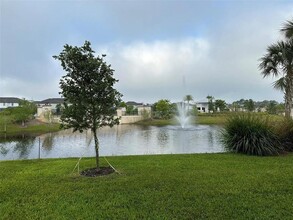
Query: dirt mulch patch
{"x":35,"y":122}
{"x":93,"y":172}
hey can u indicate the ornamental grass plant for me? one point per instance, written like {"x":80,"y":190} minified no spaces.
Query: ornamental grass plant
{"x":284,"y":130}
{"x":250,"y":134}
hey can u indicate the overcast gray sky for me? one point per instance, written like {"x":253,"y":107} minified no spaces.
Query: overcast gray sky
{"x":160,"y":49}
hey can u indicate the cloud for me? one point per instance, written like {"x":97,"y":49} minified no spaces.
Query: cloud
{"x":159,"y":49}
{"x":146,"y":70}
{"x":222,"y":67}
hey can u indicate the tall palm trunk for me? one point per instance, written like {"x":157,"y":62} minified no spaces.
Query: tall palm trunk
{"x":289,"y":95}
{"x":289,"y":99}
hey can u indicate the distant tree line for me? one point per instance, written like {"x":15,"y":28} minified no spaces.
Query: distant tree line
{"x":164,"y":109}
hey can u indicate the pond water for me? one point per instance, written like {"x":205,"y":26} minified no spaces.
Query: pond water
{"x":119,"y":140}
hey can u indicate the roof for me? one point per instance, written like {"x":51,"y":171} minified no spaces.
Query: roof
{"x":9,"y":100}
{"x":133,"y":103}
{"x":52,"y":101}
{"x":202,"y":103}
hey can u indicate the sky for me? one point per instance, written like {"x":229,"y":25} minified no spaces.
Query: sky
{"x":162,"y":49}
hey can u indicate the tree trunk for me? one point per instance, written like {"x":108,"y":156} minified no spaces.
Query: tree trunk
{"x":288,"y":98}
{"x":96,"y":148}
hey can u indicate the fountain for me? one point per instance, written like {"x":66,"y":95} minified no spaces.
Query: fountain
{"x":182,"y":116}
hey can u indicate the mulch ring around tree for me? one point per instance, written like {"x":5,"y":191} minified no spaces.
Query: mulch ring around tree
{"x":93,"y":172}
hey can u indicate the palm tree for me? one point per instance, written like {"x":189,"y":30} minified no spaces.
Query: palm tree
{"x":210,"y":103}
{"x":288,"y":29}
{"x":188,"y":98}
{"x":278,"y":62}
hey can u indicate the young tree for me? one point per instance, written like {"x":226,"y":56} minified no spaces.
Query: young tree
{"x":220,"y":104}
{"x":235,"y":106}
{"x":164,"y":108}
{"x":249,"y":105}
{"x":188,"y":98}
{"x":87,"y":87}
{"x":59,"y":109}
{"x":130,"y":110}
{"x":211,"y":103}
{"x":272,"y":107}
{"x":23,"y":112}
{"x":122,"y":105}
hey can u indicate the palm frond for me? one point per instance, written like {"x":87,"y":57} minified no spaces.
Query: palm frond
{"x":280,"y":84}
{"x":287,"y":29}
{"x":278,"y":59}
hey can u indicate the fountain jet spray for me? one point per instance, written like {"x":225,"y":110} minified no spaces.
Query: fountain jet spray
{"x":182,"y":116}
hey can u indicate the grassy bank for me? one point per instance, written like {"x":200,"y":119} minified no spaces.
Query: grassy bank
{"x":32,"y":129}
{"x":210,"y":119}
{"x":205,"y":119}
{"x":201,"y":119}
{"x":198,"y":186}
{"x":9,"y":126}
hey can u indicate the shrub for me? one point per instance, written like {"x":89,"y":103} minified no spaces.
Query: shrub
{"x":250,"y":134}
{"x":284,"y":129}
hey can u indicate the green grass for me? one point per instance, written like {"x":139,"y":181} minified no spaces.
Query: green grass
{"x":195,"y":186}
{"x":157,"y":122}
{"x":200,"y":119}
{"x":206,"y":119}
{"x":15,"y":129}
{"x":32,"y":127}
{"x":211,"y":119}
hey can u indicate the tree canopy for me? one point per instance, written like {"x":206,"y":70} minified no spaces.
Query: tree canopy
{"x":163,"y":109}
{"x":211,"y":103}
{"x":220,"y":104}
{"x":278,"y":62}
{"x":22,"y":113}
{"x":87,"y":88}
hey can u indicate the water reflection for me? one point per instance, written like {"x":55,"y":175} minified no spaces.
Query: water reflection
{"x":24,"y":146}
{"x":48,"y":141}
{"x":119,"y":140}
{"x":163,"y":137}
{"x":3,"y":149}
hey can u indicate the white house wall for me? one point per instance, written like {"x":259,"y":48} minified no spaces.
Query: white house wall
{"x":7,"y":105}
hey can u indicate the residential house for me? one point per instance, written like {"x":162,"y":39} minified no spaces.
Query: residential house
{"x":8,"y":102}
{"x":48,"y":105}
{"x":202,"y":107}
{"x":142,"y":109}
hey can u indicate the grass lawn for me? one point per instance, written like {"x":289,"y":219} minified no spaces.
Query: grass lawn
{"x":207,"y":119}
{"x":211,"y":119}
{"x":201,"y":119}
{"x":33,"y":129}
{"x":195,"y":186}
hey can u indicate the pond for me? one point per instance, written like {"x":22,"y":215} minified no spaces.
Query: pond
{"x":119,"y":140}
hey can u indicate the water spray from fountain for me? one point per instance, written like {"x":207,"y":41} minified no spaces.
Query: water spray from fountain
{"x":183,"y":118}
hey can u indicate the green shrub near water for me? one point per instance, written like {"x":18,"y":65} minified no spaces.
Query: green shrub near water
{"x":250,"y":134}
{"x":284,"y":130}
